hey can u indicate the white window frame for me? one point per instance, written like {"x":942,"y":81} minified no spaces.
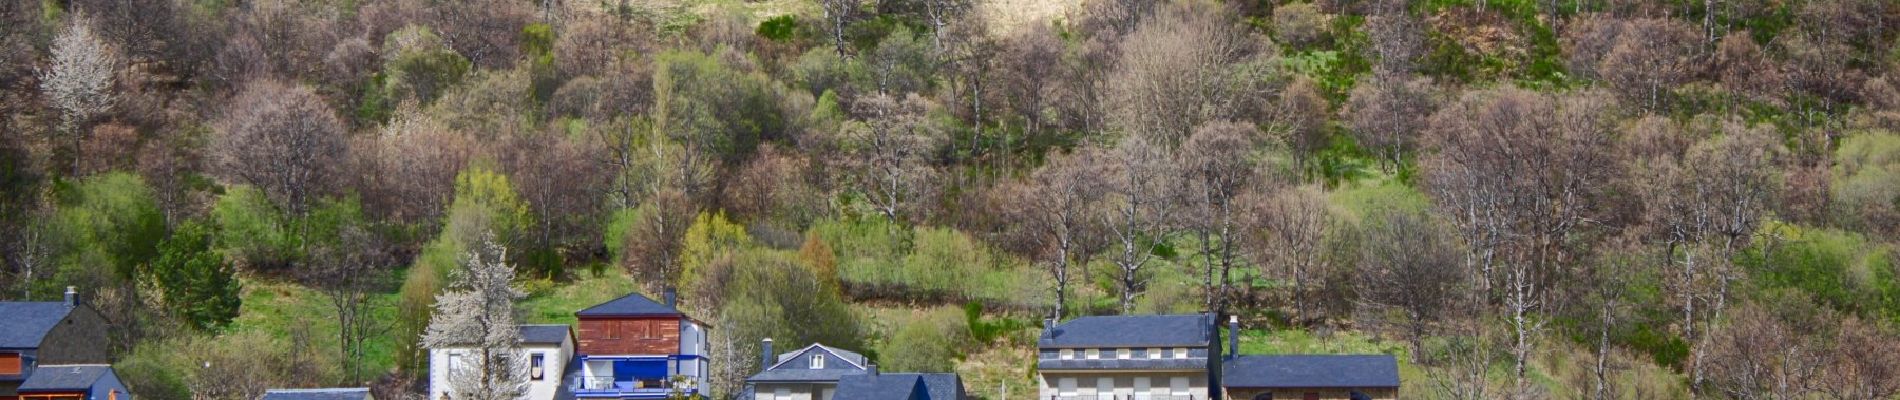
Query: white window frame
{"x":1180,"y":353}
{"x":1153,"y":353}
{"x":817,"y":361}
{"x":1093,"y":354}
{"x":1066,"y":354}
{"x":1122,"y":353}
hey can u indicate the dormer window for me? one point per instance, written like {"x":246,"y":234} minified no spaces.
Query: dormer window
{"x":818,"y":362}
{"x":1121,"y":354}
{"x":1067,"y":354}
{"x":1153,"y":354}
{"x":1180,"y":353}
{"x":1095,"y":354}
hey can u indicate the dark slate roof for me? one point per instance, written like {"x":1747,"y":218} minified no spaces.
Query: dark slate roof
{"x":544,"y":334}
{"x":28,"y":321}
{"x":1130,"y":331}
{"x":944,"y":386}
{"x":1311,"y":371}
{"x":631,"y":305}
{"x":65,"y":377}
{"x":1117,"y":364}
{"x":900,"y":386}
{"x":317,"y":394}
{"x":795,"y":366}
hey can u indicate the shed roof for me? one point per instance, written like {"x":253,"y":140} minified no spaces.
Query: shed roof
{"x":1191,"y":330}
{"x":317,"y":394}
{"x":544,"y":334}
{"x":1311,"y":371}
{"x":54,"y":378}
{"x":28,"y":322}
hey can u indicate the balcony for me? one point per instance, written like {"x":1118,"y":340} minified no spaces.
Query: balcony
{"x":607,"y":386}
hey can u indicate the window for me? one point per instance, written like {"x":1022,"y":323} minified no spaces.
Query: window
{"x":1094,"y":354}
{"x":1153,"y":354}
{"x":817,"y":362}
{"x":1121,"y":354}
{"x":1180,"y":353}
{"x":536,"y":364}
{"x":1067,"y":354}
{"x":10,"y":364}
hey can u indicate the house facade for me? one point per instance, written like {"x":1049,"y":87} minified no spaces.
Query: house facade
{"x":633,"y":347}
{"x":1146,"y":357}
{"x":547,"y":349}
{"x":37,"y":334}
{"x":810,"y":373}
{"x":1312,"y":377}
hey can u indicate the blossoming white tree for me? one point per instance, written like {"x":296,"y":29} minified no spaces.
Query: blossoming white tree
{"x":477,"y":312}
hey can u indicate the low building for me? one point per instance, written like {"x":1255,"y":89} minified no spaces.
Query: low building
{"x":872,"y":385}
{"x":810,"y":373}
{"x":74,"y":382}
{"x":46,"y":333}
{"x":1129,"y":357}
{"x":634,"y":348}
{"x":318,"y":394}
{"x":548,"y":349}
{"x":1311,"y":377}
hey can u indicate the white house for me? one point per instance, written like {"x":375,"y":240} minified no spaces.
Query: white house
{"x":548,"y":349}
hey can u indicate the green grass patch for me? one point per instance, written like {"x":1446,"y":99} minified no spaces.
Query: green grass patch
{"x":549,"y":303}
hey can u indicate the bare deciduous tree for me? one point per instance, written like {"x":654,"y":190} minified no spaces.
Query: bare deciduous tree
{"x":1652,"y":56}
{"x":1287,"y":232}
{"x":889,"y":155}
{"x":1217,"y":165}
{"x":79,"y":81}
{"x":1409,"y":264}
{"x":349,"y":270}
{"x":1140,"y":204}
{"x":1188,"y":65}
{"x":282,"y":139}
{"x":477,"y":313}
{"x":1056,"y":204}
{"x":1301,"y":122}
{"x":1388,"y":114}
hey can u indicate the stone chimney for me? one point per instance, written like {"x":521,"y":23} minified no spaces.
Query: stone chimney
{"x":765,"y":354}
{"x":870,"y":369}
{"x":672,"y":297}
{"x":72,"y":297}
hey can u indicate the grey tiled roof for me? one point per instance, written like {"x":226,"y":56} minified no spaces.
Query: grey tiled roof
{"x":317,"y":394}
{"x":1130,"y":331}
{"x":1311,"y":371}
{"x":27,"y":322}
{"x":795,"y":366}
{"x":631,"y":305}
{"x":544,"y":334}
{"x":65,"y":377}
{"x":1114,"y":364}
{"x":900,"y":386}
{"x":943,"y":386}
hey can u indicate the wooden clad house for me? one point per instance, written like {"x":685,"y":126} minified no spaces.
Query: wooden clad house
{"x":634,"y":348}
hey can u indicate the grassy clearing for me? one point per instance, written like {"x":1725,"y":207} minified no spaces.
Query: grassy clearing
{"x":555,"y":303}
{"x":288,"y":311}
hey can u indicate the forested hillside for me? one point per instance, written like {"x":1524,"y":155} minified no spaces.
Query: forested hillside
{"x":1576,"y":199}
